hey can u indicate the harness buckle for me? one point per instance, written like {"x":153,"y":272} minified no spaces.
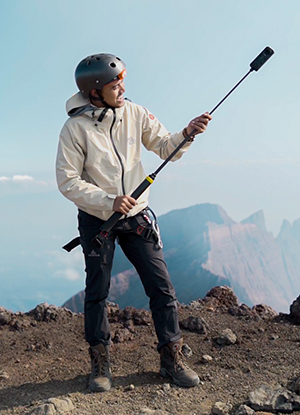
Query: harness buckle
{"x":100,"y":238}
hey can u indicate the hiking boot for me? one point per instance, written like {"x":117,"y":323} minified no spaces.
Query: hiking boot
{"x":100,"y":377}
{"x":171,"y":364}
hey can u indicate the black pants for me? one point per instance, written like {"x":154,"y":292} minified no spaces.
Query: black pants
{"x":150,"y":265}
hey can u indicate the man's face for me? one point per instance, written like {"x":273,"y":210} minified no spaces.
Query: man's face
{"x":113,"y":93}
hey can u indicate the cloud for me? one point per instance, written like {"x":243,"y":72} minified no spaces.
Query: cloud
{"x":70,"y":274}
{"x":24,"y":178}
{"x":67,"y":266}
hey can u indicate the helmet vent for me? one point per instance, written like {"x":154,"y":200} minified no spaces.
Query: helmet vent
{"x":88,"y":63}
{"x":112,"y":65}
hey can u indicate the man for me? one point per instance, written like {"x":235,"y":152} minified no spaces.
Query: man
{"x":98,"y":166}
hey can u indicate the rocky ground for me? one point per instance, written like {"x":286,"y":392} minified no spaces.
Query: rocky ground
{"x":44,"y":362}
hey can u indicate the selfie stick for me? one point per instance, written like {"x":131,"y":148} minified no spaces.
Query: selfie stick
{"x":255,"y":65}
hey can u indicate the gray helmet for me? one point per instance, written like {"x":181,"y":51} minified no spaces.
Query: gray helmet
{"x":95,"y":71}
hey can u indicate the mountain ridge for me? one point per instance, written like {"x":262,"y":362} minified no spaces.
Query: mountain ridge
{"x":204,"y":247}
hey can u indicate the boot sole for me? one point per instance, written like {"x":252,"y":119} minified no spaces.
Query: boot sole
{"x":96,"y":388}
{"x":164,"y":373}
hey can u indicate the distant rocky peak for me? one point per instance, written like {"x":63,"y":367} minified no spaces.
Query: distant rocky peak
{"x":211,"y":213}
{"x":226,"y":219}
{"x":285,"y":227}
{"x":257,"y":219}
{"x":290,"y":230}
{"x":191,"y":222}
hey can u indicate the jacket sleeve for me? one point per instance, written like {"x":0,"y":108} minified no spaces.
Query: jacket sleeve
{"x":69,"y":168}
{"x":156,"y":138}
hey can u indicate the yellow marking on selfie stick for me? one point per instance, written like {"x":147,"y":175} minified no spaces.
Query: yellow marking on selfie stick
{"x":149,"y":179}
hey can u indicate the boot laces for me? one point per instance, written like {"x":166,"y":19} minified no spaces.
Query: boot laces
{"x":99,"y":361}
{"x":178,"y":360}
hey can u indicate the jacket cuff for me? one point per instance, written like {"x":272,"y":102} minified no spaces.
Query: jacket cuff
{"x":110,"y":201}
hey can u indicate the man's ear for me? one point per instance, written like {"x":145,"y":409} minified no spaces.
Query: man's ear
{"x":94,"y":93}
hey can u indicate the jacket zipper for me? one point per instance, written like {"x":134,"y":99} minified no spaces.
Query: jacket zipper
{"x":116,"y":151}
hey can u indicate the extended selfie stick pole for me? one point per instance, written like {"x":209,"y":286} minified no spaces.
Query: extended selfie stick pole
{"x":107,"y":226}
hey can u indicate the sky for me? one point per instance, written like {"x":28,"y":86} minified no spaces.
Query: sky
{"x":181,"y":58}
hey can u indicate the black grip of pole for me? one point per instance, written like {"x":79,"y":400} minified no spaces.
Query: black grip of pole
{"x":142,"y":187}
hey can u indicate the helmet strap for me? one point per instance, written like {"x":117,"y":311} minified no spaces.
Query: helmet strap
{"x":99,"y":98}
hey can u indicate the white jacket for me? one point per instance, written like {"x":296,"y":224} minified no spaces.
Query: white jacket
{"x":99,"y":160}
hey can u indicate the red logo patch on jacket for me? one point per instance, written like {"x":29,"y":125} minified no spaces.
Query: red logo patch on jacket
{"x":151,"y":116}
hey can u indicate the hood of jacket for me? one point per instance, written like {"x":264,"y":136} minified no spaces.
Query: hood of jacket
{"x":77,"y":105}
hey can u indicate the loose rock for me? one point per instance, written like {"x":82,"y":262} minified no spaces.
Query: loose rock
{"x":5,"y":316}
{"x":196,"y":324}
{"x":3,"y":375}
{"x":265,"y":311}
{"x":54,"y":406}
{"x":227,"y":337}
{"x":148,"y":411}
{"x":269,"y":399}
{"x":206,"y":358}
{"x":186,"y":350}
{"x":244,"y":410}
{"x":221,"y":408}
{"x":221,"y":296}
